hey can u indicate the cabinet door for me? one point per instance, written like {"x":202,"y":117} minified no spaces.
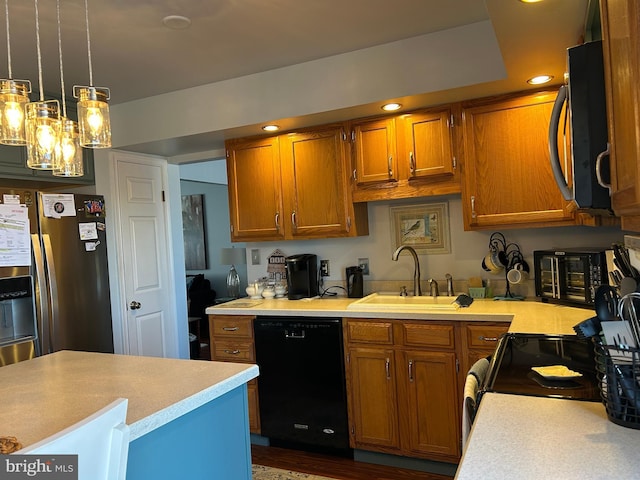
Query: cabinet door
{"x":508,"y":177}
{"x":431,"y":416}
{"x":621,"y":49}
{"x":255,"y":201}
{"x":427,"y":144}
{"x":316,"y":187}
{"x":375,"y":151}
{"x":373,"y":406}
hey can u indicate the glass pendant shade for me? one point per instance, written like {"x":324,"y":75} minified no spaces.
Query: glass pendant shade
{"x":43,"y":132}
{"x":68,"y":151}
{"x":93,"y":117}
{"x":14,"y":95}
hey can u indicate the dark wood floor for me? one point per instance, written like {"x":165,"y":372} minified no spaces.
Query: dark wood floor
{"x":335,"y":467}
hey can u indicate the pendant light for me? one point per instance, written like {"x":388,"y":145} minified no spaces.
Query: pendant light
{"x":43,"y":122}
{"x":14,"y":95}
{"x":93,"y":109}
{"x":68,"y":151}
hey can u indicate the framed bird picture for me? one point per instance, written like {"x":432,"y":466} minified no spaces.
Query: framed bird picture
{"x":424,"y":227}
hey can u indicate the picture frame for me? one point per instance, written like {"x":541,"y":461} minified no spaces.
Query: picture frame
{"x":424,"y":227}
{"x":195,"y":245}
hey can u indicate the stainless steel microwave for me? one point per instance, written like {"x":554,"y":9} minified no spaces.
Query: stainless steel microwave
{"x":584,"y":121}
{"x":570,"y":276}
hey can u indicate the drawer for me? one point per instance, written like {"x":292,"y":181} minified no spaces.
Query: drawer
{"x":363,"y":331}
{"x":231,"y":326}
{"x":428,"y":335}
{"x":233,"y":351}
{"x":485,"y":335}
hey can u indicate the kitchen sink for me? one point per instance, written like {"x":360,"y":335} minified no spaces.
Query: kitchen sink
{"x":379,"y":301}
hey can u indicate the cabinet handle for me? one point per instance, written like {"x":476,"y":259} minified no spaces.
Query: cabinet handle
{"x":389,"y":166}
{"x":355,"y":175}
{"x":348,"y":224}
{"x":599,"y":158}
{"x":473,"y":207}
{"x":293,"y":220}
{"x":230,"y":329}
{"x":412,"y":164}
{"x":232,"y":352}
{"x":387,"y":370}
{"x":487,"y":339}
{"x":277,"y":220}
{"x":411,"y":370}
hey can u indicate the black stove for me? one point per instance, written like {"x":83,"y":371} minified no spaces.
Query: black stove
{"x":510,"y":368}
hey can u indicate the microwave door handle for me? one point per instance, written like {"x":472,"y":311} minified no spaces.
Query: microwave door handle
{"x":554,"y":156}
{"x":599,"y":158}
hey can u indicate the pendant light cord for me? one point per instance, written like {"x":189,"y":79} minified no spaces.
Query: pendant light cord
{"x":39,"y":55}
{"x":64,"y":103}
{"x":86,"y":16}
{"x":6,"y":12}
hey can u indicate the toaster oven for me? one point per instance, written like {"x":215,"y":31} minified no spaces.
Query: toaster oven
{"x":570,"y":276}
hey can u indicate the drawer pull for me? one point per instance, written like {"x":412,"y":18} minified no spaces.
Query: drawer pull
{"x":487,"y":339}
{"x":230,"y":329}
{"x":232,"y":352}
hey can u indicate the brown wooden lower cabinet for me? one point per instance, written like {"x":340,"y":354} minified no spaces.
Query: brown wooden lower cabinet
{"x":232,"y":341}
{"x":403,"y":400}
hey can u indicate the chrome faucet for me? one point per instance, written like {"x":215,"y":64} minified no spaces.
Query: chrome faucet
{"x":433,"y":287}
{"x":417,"y":290}
{"x":449,"y":284}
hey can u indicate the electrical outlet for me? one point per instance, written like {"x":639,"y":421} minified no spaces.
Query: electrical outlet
{"x":324,"y":268}
{"x":255,"y":256}
{"x":363,"y":263}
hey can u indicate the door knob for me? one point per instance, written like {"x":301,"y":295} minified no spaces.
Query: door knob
{"x":135,"y":305}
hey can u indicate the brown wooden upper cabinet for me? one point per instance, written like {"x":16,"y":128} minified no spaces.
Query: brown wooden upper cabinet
{"x":621,"y":49}
{"x":255,"y":189}
{"x":508,"y":178}
{"x":292,"y":186}
{"x":405,"y":156}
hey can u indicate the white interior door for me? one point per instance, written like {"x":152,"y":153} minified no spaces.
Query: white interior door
{"x":143,"y":231}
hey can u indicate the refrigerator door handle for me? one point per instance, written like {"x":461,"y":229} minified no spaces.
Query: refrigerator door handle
{"x":44,"y":335}
{"x":53,"y":289}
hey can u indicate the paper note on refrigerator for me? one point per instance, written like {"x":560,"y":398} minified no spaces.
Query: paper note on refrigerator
{"x":15,"y":244}
{"x":58,"y":205}
{"x":88,"y":230}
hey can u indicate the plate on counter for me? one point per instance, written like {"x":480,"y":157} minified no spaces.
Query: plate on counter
{"x":556,"y":372}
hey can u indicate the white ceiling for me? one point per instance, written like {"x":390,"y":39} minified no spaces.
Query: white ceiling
{"x":137,"y":57}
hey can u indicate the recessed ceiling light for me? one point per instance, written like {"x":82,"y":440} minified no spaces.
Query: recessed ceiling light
{"x":530,"y":1}
{"x":391,"y":107}
{"x":271,"y":128}
{"x":540,"y":79}
{"x":176,"y":22}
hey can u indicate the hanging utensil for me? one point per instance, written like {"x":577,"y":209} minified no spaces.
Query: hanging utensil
{"x":627,"y":311}
{"x":606,"y":303}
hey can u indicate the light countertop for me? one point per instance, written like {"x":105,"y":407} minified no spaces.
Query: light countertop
{"x":517,"y":436}
{"x":42,"y":396}
{"x":528,"y":316}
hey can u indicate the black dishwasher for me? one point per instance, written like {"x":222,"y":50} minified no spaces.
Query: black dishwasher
{"x":303,"y":402}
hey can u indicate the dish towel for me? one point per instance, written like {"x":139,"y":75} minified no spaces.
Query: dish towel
{"x":474,"y":379}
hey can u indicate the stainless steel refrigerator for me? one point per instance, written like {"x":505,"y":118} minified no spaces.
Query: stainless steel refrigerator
{"x":62,"y":254}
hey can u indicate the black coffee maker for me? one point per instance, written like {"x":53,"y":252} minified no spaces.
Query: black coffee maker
{"x":302,"y":276}
{"x":355,"y":282}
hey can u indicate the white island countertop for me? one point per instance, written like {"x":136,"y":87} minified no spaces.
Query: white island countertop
{"x":529,"y":316}
{"x":42,"y":396}
{"x":522,"y":437}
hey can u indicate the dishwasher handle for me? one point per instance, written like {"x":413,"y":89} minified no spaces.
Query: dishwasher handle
{"x":294,"y":334}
